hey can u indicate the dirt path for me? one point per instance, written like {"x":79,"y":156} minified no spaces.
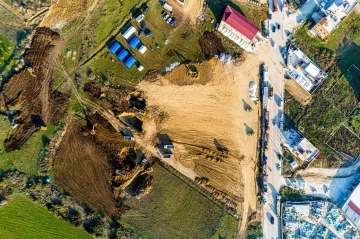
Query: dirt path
{"x":191,"y":9}
{"x":10,"y":9}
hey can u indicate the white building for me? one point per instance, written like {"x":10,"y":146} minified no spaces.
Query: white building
{"x":335,"y":12}
{"x":239,"y":29}
{"x":305,"y":72}
{"x":352,"y":207}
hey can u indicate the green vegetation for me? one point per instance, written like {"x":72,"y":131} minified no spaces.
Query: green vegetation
{"x":289,"y":194}
{"x":21,"y":218}
{"x":345,"y":141}
{"x":345,"y":41}
{"x":5,"y":50}
{"x":173,"y":209}
{"x":254,"y":230}
{"x":336,"y":98}
{"x":182,"y":45}
{"x":25,"y":159}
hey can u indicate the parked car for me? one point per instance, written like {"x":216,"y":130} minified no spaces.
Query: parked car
{"x":145,"y":9}
{"x":272,"y":219}
{"x":166,"y":16}
{"x":143,"y":26}
{"x":278,"y":26}
{"x":270,"y":16}
{"x":273,"y":28}
{"x":173,"y":21}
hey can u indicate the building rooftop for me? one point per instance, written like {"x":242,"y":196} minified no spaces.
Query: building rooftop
{"x":352,"y":207}
{"x":305,"y":72}
{"x":240,"y":23}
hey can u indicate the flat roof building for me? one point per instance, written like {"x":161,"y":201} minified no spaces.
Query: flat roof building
{"x":351,"y":207}
{"x":335,"y":12}
{"x":129,"y":32}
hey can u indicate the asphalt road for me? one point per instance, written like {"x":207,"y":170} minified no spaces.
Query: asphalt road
{"x":276,"y":78}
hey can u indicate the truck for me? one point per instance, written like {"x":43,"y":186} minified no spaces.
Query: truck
{"x":275,"y":6}
{"x":265,"y":96}
{"x":271,"y":92}
{"x":278,"y":206}
{"x":166,"y":6}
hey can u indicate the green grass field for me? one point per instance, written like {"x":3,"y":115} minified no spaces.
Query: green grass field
{"x":182,"y":45}
{"x":21,"y":218}
{"x":175,"y":210}
{"x":25,"y":159}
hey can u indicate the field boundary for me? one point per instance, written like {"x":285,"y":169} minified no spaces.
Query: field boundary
{"x":195,"y":187}
{"x":339,"y":153}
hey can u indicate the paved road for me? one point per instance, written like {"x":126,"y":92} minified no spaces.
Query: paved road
{"x":276,"y":73}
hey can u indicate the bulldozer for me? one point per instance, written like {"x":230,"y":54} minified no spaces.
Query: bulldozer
{"x":192,"y":71}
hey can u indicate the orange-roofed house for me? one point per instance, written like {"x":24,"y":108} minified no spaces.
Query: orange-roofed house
{"x":239,"y":29}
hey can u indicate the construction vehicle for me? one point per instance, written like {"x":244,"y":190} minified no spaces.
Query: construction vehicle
{"x":192,"y":71}
{"x":278,"y":206}
{"x":271,"y":92}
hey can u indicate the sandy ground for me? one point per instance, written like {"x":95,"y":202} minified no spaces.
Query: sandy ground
{"x":190,"y":10}
{"x":340,"y":182}
{"x":62,"y":13}
{"x":196,"y":115}
{"x":301,"y":95}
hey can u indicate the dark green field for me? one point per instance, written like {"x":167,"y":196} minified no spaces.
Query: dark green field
{"x":175,"y":210}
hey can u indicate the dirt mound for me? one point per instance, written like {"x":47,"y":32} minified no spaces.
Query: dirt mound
{"x":28,"y":91}
{"x":62,"y":13}
{"x":81,"y":167}
{"x":211,"y":44}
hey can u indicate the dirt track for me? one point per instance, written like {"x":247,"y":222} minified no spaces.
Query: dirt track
{"x":301,"y":95}
{"x":198,"y":115}
{"x":191,"y":9}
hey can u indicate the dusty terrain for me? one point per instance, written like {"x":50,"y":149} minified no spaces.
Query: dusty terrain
{"x":191,"y":9}
{"x":82,"y":169}
{"x":29,"y":92}
{"x":200,"y":119}
{"x":301,"y":95}
{"x":63,"y":13}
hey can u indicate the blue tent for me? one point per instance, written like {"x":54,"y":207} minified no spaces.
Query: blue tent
{"x":130,"y":62}
{"x":122,"y":54}
{"x":114,"y":47}
{"x":134,"y":42}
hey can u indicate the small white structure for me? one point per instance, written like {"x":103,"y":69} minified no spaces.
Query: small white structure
{"x":252,"y":91}
{"x":129,"y":32}
{"x":294,"y":165}
{"x":140,"y":18}
{"x":142,"y":49}
{"x":140,"y":68}
{"x":300,"y":146}
{"x":352,"y":207}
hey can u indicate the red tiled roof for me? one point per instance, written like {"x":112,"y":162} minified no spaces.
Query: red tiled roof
{"x":354,"y":208}
{"x":240,"y":23}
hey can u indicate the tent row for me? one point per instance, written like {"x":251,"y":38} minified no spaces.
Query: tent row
{"x":123,"y":55}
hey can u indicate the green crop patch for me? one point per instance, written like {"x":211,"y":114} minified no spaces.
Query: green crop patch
{"x":174,"y":210}
{"x":345,"y":142}
{"x":345,"y":94}
{"x":21,"y":218}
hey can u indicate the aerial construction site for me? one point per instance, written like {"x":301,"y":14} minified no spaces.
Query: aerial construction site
{"x":175,"y":132}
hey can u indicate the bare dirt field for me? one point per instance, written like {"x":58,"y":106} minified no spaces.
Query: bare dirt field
{"x":191,"y":9}
{"x":28,"y":92}
{"x":301,"y":95}
{"x":82,"y":169}
{"x":63,"y":13}
{"x":200,"y":119}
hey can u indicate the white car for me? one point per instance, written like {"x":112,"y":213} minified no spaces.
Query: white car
{"x":274,"y":45}
{"x":252,"y":90}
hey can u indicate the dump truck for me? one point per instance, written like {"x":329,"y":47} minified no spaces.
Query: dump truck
{"x":278,"y":206}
